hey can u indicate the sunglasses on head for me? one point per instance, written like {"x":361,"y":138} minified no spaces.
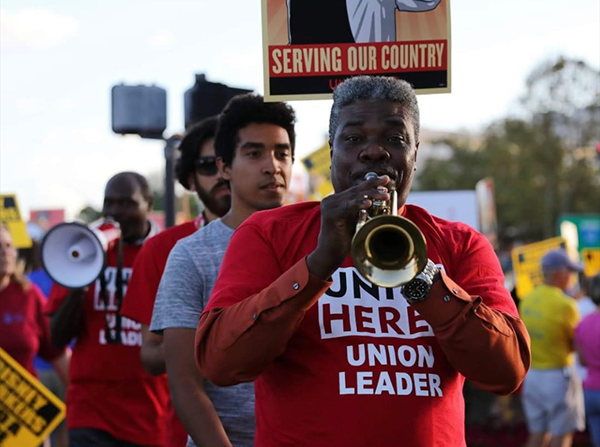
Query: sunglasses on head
{"x":206,"y":166}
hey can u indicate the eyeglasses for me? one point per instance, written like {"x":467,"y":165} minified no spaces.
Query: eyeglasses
{"x":206,"y":166}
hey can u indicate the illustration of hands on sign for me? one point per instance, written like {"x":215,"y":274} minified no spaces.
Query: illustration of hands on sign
{"x":375,"y":20}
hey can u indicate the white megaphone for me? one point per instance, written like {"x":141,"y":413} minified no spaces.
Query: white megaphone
{"x":74,"y":254}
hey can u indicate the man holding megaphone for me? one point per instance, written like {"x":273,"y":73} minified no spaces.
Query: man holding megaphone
{"x":111,"y":399}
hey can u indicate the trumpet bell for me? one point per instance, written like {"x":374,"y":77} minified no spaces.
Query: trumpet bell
{"x":389,"y":250}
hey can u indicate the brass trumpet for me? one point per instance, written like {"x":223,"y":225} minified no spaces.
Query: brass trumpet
{"x":387,"y":249}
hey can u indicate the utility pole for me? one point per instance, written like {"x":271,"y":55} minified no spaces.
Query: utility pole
{"x":142,"y":110}
{"x":171,"y":145}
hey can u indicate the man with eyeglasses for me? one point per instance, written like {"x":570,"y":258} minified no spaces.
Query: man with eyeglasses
{"x":254,"y":145}
{"x":196,"y":171}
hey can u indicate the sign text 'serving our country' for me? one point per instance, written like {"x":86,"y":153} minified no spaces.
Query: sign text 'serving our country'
{"x":346,"y":59}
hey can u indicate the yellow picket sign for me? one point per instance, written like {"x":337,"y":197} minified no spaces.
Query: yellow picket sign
{"x":591,"y":261}
{"x":29,"y":411}
{"x":11,"y":217}
{"x":318,"y":165}
{"x":526,"y":263}
{"x":319,"y":160}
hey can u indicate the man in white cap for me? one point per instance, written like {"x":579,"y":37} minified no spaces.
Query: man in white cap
{"x":552,"y":393}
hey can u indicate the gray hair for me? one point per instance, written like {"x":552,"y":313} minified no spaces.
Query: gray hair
{"x":373,"y":87}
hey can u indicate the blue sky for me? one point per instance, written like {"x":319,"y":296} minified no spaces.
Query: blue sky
{"x":59,"y":59}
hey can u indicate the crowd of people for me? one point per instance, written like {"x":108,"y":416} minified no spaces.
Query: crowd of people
{"x":552,"y":394}
{"x":251,"y":326}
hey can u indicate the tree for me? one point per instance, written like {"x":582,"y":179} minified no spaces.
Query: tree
{"x":543,"y":165}
{"x":89,"y":214}
{"x":461,"y":171}
{"x":185,"y":202}
{"x":562,"y":86}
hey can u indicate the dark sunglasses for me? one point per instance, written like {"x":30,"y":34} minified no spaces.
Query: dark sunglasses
{"x":206,"y":166}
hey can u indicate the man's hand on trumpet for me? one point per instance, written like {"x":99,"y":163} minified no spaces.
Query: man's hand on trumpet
{"x":339,"y":214}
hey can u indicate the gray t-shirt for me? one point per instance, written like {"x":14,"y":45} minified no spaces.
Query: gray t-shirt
{"x":188,"y":280}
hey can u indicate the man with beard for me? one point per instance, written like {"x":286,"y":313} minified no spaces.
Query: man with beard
{"x":196,"y":171}
{"x":111,"y":401}
{"x":254,"y":145}
{"x":338,"y":360}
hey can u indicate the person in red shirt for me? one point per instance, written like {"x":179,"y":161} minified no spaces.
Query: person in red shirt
{"x":337,"y":360}
{"x":196,"y":171}
{"x":24,"y":329}
{"x":111,"y":400}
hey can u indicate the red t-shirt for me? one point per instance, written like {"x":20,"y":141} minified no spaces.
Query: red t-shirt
{"x":148,"y":269}
{"x":109,"y":388}
{"x":141,"y":294}
{"x":363,"y":368}
{"x":24,"y":329}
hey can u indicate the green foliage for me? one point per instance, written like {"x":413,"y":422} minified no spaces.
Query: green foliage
{"x":195,"y":206}
{"x":89,"y":214}
{"x":187,"y":203}
{"x":462,"y":171}
{"x":542,"y":166}
{"x":159,"y":200}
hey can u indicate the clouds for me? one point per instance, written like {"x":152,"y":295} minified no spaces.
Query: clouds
{"x":163,"y":39}
{"x":36,"y":28}
{"x":30,"y":105}
{"x":60,"y":59}
{"x":70,"y":167}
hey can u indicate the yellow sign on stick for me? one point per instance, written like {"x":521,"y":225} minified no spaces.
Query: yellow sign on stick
{"x":591,"y":261}
{"x":527,"y":263}
{"x":318,"y":166}
{"x":309,"y":47}
{"x":11,"y":217}
{"x":29,"y":412}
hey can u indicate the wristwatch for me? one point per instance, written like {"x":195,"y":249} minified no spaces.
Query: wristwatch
{"x":417,"y":289}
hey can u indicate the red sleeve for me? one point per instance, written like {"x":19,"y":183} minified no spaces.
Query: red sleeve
{"x":56,"y":298}
{"x":249,"y":266}
{"x":478,"y":271}
{"x":476,"y":321}
{"x":255,"y":309}
{"x":143,"y":284}
{"x":46,"y":350}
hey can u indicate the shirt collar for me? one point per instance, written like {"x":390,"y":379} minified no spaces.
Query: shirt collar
{"x":153,"y":231}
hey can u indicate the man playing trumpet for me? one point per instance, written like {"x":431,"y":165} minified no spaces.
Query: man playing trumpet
{"x":342,"y":361}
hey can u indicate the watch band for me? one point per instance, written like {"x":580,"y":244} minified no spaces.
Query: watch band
{"x":418,"y":288}
{"x":431,"y":271}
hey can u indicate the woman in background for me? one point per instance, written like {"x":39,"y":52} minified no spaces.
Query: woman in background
{"x":24,"y":330}
{"x":587,"y":342}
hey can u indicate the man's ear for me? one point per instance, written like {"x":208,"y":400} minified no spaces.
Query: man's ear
{"x":330,"y":152}
{"x":150,"y":203}
{"x":224,"y":169}
{"x":417,"y":150}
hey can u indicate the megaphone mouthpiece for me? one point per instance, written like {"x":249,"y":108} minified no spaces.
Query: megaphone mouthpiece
{"x":81,"y":250}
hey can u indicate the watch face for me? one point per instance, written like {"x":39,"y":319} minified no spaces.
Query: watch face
{"x":416,"y":289}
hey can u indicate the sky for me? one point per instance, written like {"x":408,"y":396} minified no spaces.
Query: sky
{"x":59,"y":60}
